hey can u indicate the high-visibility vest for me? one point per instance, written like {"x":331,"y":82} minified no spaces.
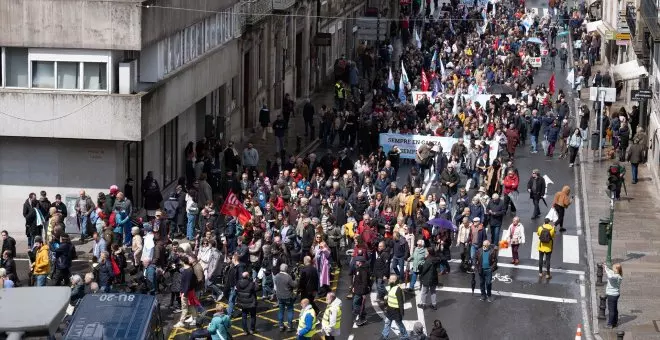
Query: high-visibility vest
{"x":325,"y":322}
{"x":340,"y":90}
{"x":301,"y":322}
{"x":392,"y":301}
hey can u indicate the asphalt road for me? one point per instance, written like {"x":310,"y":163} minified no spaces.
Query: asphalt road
{"x":524,"y":305}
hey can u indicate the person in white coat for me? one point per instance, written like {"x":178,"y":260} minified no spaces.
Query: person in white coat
{"x":331,"y":321}
{"x":515,"y":235}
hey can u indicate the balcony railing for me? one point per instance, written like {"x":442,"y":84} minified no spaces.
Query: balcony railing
{"x":649,"y":11}
{"x":283,"y":5}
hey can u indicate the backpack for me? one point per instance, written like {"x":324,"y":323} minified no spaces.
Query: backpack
{"x":545,"y":236}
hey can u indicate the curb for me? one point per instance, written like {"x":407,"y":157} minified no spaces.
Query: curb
{"x":590,"y":254}
{"x":587,"y":324}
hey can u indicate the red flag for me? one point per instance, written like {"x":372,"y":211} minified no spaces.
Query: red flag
{"x":233,"y":207}
{"x":425,"y":81}
{"x":496,"y":43}
{"x":551,"y":84}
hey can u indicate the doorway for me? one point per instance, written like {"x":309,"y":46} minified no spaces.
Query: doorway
{"x":248,"y":118}
{"x":133,"y":169}
{"x":299,"y":65}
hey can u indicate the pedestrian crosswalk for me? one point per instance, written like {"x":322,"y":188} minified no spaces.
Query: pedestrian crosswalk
{"x":569,"y":244}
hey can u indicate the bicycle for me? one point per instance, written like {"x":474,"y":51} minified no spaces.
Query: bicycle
{"x":502,"y":278}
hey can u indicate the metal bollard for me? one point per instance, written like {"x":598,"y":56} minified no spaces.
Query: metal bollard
{"x":620,"y":335}
{"x":599,"y":274}
{"x":601,"y":307}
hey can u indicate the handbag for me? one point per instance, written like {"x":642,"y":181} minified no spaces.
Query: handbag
{"x":269,"y":129}
{"x":552,"y":215}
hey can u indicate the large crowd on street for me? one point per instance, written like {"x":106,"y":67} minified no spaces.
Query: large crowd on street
{"x":240,"y":232}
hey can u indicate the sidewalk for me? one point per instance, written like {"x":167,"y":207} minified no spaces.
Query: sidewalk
{"x":635,"y":244}
{"x":267,"y":147}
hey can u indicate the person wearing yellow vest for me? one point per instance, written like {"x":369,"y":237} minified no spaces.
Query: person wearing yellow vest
{"x":340,"y":95}
{"x":307,"y":321}
{"x":394,"y":309}
{"x":331,"y":321}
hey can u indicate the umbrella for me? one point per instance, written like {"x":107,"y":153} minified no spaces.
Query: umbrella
{"x":501,"y":89}
{"x":442,"y":223}
{"x":534,"y":41}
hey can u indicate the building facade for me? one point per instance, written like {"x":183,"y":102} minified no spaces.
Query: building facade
{"x":94,"y":92}
{"x":647,"y":48}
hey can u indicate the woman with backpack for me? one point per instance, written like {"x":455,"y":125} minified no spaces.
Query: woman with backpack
{"x":546,"y":234}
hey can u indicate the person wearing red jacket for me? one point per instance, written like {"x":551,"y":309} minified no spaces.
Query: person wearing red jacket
{"x":510,"y":184}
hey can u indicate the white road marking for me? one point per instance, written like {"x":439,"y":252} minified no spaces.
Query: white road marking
{"x":512,"y":294}
{"x":428,"y":186}
{"x":535,"y":246}
{"x":520,"y":266}
{"x":420,"y":312}
{"x":583,"y":289}
{"x":506,"y":252}
{"x":571,"y":249}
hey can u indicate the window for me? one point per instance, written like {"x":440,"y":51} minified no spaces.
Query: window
{"x":95,"y":76}
{"x":68,"y":75}
{"x":43,"y":74}
{"x":16,"y":67}
{"x":234,"y":88}
{"x":169,"y":139}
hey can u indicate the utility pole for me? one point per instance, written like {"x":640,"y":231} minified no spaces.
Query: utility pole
{"x":601,"y":94}
{"x":610,"y":232}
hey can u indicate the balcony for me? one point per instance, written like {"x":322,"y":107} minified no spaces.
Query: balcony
{"x":70,"y":114}
{"x":283,"y":5}
{"x":649,"y":13}
{"x":257,"y":11}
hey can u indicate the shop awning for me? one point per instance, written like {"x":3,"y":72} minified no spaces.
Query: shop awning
{"x":593,"y":26}
{"x":629,"y":71}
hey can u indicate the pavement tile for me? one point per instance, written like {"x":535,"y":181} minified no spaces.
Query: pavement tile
{"x":635,"y":245}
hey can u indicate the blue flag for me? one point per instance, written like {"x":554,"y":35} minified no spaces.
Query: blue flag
{"x":402,"y":90}
{"x":436,"y":87}
{"x":434,"y":61}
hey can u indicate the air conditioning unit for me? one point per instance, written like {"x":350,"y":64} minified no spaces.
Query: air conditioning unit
{"x":128,"y":77}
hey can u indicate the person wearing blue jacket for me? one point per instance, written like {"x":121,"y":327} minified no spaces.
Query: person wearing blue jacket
{"x":552,"y":136}
{"x":477,"y":210}
{"x":307,"y":322}
{"x":220,"y":324}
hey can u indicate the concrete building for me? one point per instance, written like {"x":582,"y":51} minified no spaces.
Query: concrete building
{"x":93,"y":92}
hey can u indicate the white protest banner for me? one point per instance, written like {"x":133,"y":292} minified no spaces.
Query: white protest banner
{"x":535,"y":61}
{"x":408,"y":144}
{"x":418,"y":95}
{"x":480,"y":98}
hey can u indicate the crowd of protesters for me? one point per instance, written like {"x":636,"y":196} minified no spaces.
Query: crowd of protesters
{"x":351,"y":209}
